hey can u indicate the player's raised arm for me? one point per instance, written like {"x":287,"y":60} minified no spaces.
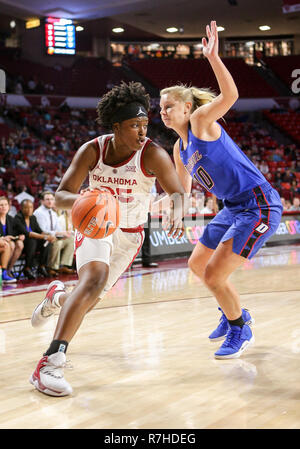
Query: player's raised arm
{"x":216,"y":109}
{"x":68,"y":189}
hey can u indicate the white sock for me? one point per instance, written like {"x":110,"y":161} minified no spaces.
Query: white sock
{"x":56,"y":298}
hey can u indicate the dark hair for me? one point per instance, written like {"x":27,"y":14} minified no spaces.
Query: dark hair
{"x":46,"y":192}
{"x":26,"y":200}
{"x":119,"y":96}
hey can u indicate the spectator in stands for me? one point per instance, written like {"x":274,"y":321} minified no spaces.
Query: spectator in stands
{"x":62,"y":248}
{"x":58,"y":175}
{"x":18,"y":88}
{"x":36,"y":241}
{"x":12,"y":209}
{"x":283,"y":200}
{"x":4,"y":258}
{"x":48,"y":186}
{"x":10,"y":190}
{"x":197,"y":202}
{"x":31,"y":85}
{"x":276,"y":156}
{"x":287,"y":205}
{"x":296,"y":204}
{"x":41,"y":177}
{"x":193,"y":206}
{"x":269,"y":177}
{"x":264,"y":168}
{"x":288,"y":176}
{"x":278,"y":178}
{"x":65,"y":221}
{"x":209,"y":206}
{"x":9,"y":238}
{"x":2,"y":187}
{"x":295,"y":188}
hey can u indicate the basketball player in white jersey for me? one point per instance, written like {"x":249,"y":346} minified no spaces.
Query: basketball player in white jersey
{"x":127,"y":163}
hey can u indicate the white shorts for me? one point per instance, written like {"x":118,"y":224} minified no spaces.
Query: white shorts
{"x":118,"y":251}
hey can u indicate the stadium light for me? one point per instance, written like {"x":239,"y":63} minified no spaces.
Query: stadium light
{"x":118,"y":30}
{"x":264,"y":27}
{"x":172,"y":30}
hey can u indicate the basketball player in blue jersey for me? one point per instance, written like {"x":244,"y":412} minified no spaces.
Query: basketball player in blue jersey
{"x":252,"y":208}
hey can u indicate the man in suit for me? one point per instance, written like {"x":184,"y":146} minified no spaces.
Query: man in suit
{"x":62,"y":247}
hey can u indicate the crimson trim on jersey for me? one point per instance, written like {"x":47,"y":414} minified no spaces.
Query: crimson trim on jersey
{"x":142,"y":163}
{"x":115,"y":165}
{"x":137,"y":229}
{"x":264,"y":217}
{"x":98,"y":151}
{"x":139,"y":248}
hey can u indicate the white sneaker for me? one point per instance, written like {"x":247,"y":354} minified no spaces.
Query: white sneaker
{"x":48,"y":306}
{"x":48,"y":377}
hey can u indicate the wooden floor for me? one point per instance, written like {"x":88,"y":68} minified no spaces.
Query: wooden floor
{"x":142,"y":358}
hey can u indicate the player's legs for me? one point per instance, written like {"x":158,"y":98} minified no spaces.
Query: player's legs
{"x":93,"y":268}
{"x":218,"y":269}
{"x":198,"y":263}
{"x":127,"y":246}
{"x":214,"y":267}
{"x":48,"y":376}
{"x":199,"y":259}
{"x":220,"y":266}
{"x":95,"y":278}
{"x":91,"y":280}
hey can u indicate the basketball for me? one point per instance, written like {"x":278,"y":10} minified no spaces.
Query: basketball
{"x":95,"y":214}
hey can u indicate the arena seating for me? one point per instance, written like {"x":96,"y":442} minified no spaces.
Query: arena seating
{"x":283,"y":67}
{"x":165,"y":72}
{"x":43,"y":147}
{"x":88,"y":77}
{"x":288,"y":122}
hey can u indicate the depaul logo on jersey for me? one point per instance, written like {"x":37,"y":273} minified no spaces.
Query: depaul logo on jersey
{"x":262,"y":228}
{"x":193,"y":161}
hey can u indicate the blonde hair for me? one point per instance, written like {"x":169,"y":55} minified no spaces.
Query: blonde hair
{"x":195,"y":95}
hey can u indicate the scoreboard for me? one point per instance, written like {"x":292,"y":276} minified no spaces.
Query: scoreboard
{"x":60,"y":36}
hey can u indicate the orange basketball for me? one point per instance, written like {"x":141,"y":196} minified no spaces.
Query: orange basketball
{"x":96,"y":213}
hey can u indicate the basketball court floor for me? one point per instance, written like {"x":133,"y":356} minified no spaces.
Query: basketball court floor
{"x":142,"y":359}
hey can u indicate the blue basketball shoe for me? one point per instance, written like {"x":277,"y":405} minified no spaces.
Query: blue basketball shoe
{"x":221,"y":331}
{"x":237,"y":340}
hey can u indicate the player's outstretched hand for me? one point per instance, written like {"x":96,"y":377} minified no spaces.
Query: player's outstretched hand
{"x":211,"y":47}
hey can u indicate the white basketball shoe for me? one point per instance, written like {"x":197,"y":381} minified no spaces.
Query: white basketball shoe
{"x":48,"y":377}
{"x":49,"y":305}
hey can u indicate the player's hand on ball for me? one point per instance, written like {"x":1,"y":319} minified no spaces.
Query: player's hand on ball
{"x":88,"y":189}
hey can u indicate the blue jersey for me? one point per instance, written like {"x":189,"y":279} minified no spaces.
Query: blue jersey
{"x":220,"y":166}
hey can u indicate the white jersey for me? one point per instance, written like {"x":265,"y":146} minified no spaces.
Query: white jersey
{"x":128,"y":181}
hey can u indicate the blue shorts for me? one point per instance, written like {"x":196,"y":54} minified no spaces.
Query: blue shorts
{"x":250,"y":219}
